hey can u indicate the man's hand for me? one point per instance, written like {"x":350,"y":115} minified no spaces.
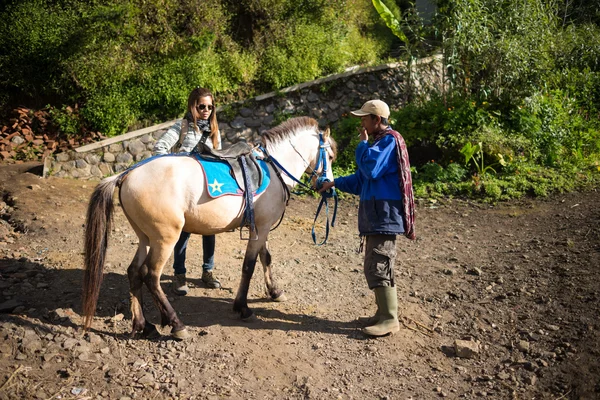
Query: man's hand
{"x":363,"y":133}
{"x":326,"y":186}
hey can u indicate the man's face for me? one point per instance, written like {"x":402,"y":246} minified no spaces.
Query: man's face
{"x":370,"y":123}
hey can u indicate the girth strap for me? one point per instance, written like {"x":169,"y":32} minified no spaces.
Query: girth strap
{"x":249,"y":200}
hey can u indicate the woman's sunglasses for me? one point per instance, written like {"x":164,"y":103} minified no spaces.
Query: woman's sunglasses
{"x":204,"y":106}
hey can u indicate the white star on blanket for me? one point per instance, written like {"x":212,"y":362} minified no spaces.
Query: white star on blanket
{"x":215,"y":186}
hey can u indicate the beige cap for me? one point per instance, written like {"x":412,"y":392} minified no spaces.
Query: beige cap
{"x":375,"y":107}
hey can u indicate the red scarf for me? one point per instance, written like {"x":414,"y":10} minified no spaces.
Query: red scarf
{"x":408,"y":201}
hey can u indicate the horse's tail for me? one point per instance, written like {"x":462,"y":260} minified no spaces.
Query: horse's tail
{"x":97,"y":230}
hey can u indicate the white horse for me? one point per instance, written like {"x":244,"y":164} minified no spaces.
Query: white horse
{"x":168,"y":194}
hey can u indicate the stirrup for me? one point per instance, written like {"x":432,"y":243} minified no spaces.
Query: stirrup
{"x":252,"y":234}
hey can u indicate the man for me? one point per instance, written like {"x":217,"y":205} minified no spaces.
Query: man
{"x":386,"y":207}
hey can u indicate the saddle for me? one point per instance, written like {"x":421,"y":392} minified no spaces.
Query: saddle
{"x":243,"y":166}
{"x":246,"y":172}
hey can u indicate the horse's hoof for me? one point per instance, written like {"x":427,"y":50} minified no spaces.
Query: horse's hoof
{"x":279,"y":297}
{"x":250,"y":318}
{"x":181,"y":334}
{"x":247,"y":315}
{"x":150,"y":332}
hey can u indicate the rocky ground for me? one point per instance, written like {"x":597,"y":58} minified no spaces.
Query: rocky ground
{"x":498,"y":302}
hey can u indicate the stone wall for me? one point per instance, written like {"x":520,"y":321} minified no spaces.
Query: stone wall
{"x":326,"y":99}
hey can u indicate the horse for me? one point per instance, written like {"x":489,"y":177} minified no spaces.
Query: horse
{"x":168,"y":194}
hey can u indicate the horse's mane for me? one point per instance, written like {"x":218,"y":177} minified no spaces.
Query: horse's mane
{"x":288,"y":129}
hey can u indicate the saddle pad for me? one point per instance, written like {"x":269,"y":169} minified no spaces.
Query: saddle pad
{"x":220,"y":182}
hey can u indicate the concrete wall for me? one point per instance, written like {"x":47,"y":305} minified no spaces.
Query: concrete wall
{"x":326,"y":99}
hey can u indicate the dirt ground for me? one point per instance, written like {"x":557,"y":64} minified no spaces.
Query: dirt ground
{"x":519,"y":283}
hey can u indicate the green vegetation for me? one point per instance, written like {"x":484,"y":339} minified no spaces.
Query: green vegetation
{"x":519,"y":114}
{"x":127,"y":63}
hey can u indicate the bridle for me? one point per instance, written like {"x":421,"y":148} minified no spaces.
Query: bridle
{"x":321,"y":178}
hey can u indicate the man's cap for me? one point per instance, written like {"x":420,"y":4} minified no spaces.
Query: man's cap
{"x":375,"y":107}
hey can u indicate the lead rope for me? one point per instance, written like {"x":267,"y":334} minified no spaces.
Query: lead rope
{"x":329,"y":193}
{"x":319,"y":183}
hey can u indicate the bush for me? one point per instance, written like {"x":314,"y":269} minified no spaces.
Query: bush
{"x":133,"y":62}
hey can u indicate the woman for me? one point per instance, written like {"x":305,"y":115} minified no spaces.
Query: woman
{"x":199,"y":124}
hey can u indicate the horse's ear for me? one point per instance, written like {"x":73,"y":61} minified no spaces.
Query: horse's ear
{"x":327,"y":133}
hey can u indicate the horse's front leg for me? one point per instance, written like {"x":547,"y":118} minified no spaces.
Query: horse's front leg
{"x":240,"y":303}
{"x":273,"y":291}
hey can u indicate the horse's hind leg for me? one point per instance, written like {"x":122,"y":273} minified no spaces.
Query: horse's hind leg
{"x":273,"y":291}
{"x":136,"y":272}
{"x":160,"y":251}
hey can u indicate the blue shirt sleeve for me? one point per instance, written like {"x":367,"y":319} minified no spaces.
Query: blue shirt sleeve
{"x":350,"y":183}
{"x":376,"y":160}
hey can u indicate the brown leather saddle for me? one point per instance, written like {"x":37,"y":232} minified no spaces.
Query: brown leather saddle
{"x":246,"y":172}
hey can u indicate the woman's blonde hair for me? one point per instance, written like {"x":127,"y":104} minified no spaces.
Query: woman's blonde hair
{"x":193,"y":101}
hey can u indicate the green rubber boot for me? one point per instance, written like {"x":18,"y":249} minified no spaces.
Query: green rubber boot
{"x":387,"y":300}
{"x":368,"y":321}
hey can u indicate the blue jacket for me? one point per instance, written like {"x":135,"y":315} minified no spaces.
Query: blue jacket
{"x":377,"y":183}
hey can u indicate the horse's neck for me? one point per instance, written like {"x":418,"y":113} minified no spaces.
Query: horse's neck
{"x":294,"y":154}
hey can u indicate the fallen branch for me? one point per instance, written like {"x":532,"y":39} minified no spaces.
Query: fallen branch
{"x":564,"y":395}
{"x":11,"y":376}
{"x":420,"y":325}
{"x":414,"y":329}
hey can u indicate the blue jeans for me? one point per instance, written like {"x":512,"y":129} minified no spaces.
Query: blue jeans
{"x":208,"y":250}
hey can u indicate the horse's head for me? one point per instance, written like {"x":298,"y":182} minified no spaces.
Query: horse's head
{"x":322,"y":168}
{"x":301,"y":147}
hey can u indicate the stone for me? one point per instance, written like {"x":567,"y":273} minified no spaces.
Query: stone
{"x":136,"y":147}
{"x":94,"y":338}
{"x":312,"y":97}
{"x":466,"y":348}
{"x":120,"y":167}
{"x":118,"y":317}
{"x":268,"y":120}
{"x":146,"y":139}
{"x":68,"y":166}
{"x":237,"y":123}
{"x":62,"y":157}
{"x":8,"y":306}
{"x":70,"y":343}
{"x":503,"y":376}
{"x":246,"y":112}
{"x":108,"y":157}
{"x":88,"y":357}
{"x":106,"y":169}
{"x":146,"y":379}
{"x":124,"y":158}
{"x":523,"y":346}
{"x":95,"y":171}
{"x":17,"y":140}
{"x":253,"y":123}
{"x":530,"y":379}
{"x":115,"y":148}
{"x":92,"y":159}
{"x":61,"y":314}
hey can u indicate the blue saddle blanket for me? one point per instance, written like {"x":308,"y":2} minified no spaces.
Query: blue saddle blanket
{"x":219,"y":182}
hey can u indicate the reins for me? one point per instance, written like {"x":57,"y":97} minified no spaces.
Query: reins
{"x":321,"y":179}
